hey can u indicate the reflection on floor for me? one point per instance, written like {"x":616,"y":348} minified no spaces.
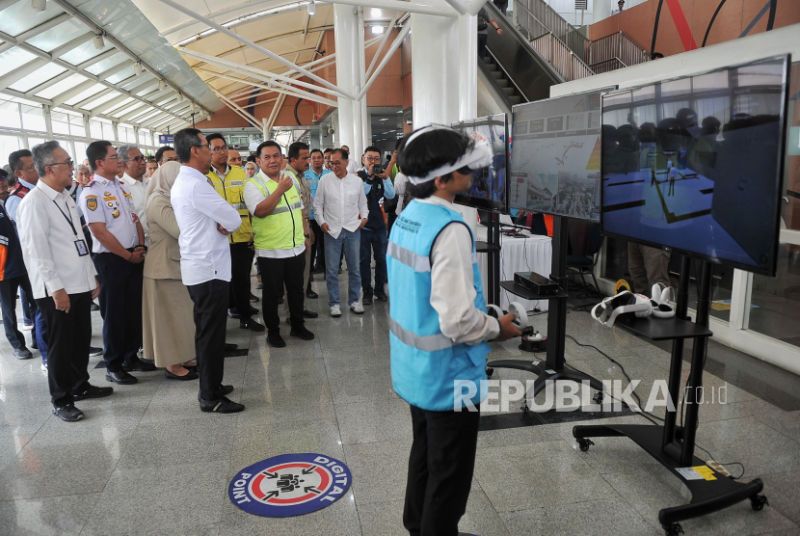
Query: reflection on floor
{"x":146,"y":461}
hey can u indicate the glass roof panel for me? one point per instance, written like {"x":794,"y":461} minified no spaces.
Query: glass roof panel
{"x":117,"y":106}
{"x":61,"y":34}
{"x":91,"y":105}
{"x":39,"y":76}
{"x":18,"y":18}
{"x":85,"y":94}
{"x":14,"y":58}
{"x":124,"y":74}
{"x":84,"y":52}
{"x":107,"y":63}
{"x":119,"y":112}
{"x":60,"y":87}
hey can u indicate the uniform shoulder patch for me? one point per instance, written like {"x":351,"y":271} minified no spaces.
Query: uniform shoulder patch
{"x":91,"y":202}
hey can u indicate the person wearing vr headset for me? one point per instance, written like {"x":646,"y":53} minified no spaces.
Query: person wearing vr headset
{"x":439,"y":326}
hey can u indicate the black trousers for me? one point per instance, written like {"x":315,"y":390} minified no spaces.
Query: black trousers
{"x":210,"y":316}
{"x":68,"y":337}
{"x":241,"y":261}
{"x":373,"y":244}
{"x":439,"y":470}
{"x":275,"y":275}
{"x":8,"y":303}
{"x":121,"y":309}
{"x":317,"y":248}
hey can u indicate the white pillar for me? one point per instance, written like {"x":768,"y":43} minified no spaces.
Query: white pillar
{"x":444,"y":56}
{"x":349,"y":38}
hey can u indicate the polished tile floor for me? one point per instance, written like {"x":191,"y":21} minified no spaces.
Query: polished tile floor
{"x":147,"y":461}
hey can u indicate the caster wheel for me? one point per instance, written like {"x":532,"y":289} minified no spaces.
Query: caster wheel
{"x":673,"y":529}
{"x":584,"y":444}
{"x":758,"y":502}
{"x":489,"y":372}
{"x":598,"y":398}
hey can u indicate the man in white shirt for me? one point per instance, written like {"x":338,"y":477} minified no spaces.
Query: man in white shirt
{"x":133,"y":179}
{"x":341,"y":211}
{"x":63,"y":277}
{"x":352,"y":164}
{"x":205,"y":220}
{"x":118,"y":244}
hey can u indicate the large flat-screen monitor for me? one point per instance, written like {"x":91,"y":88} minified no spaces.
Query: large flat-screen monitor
{"x":696,"y":163}
{"x":488,"y":185}
{"x":555,"y":156}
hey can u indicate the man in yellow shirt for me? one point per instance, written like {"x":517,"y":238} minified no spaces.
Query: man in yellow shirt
{"x":229,"y":183}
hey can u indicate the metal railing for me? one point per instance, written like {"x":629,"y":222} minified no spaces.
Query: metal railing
{"x":559,"y":55}
{"x":536,"y":18}
{"x":616,"y":50}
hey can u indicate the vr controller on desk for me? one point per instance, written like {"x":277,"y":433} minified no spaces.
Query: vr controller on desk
{"x":520,"y":319}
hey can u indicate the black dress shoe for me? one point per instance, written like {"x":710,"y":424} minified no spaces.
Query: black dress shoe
{"x":309,"y":314}
{"x":121,"y":377}
{"x":225,"y":390}
{"x":381,"y":297}
{"x":234,"y":313}
{"x":93,"y":391}
{"x":319,"y":269}
{"x":221,"y":405}
{"x":302,"y":333}
{"x":310,"y":294}
{"x":275,"y":340}
{"x":68,"y":413}
{"x":253,"y":310}
{"x":191,"y":375}
{"x":94,"y":307}
{"x":366,"y":300}
{"x":230,"y":346}
{"x":251,"y":324}
{"x":139,"y":365}
{"x":254,"y":298}
{"x":94,"y":351}
{"x":22,"y":353}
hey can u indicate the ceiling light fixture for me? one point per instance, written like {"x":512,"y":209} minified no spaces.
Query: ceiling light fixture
{"x":39,"y":5}
{"x":312,"y":9}
{"x":161,"y":84}
{"x":376,"y":29}
{"x":99,"y":42}
{"x":137,"y":68}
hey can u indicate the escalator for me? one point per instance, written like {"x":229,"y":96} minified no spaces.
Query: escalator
{"x":514,"y":70}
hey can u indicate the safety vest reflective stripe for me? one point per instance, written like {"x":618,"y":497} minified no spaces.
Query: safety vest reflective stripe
{"x":418,"y":263}
{"x":426,"y":343}
{"x":284,"y":208}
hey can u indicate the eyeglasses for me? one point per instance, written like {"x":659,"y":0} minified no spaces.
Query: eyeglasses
{"x":139,"y":158}
{"x":372,"y":158}
{"x":69,"y":163}
{"x":218,"y":148}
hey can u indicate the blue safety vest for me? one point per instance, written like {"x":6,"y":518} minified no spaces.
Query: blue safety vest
{"x":426,"y":364}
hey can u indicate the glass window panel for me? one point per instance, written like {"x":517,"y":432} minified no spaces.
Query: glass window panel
{"x":670,"y":109}
{"x":33,"y":118}
{"x":719,"y":107}
{"x":144,"y":137}
{"x":758,"y":75}
{"x":60,"y":87}
{"x":9,"y":144}
{"x":756,"y":103}
{"x":95,"y":128}
{"x":80,"y":152}
{"x":9,"y":116}
{"x":108,"y":132}
{"x":91,"y":105}
{"x":716,"y":80}
{"x":60,"y":35}
{"x":33,"y":142}
{"x":86,"y":93}
{"x":85,"y":52}
{"x":67,"y":146}
{"x":60,"y":122}
{"x":645,"y":93}
{"x":19,"y":17}
{"x":13,"y":58}
{"x":107,"y":63}
{"x":676,"y":87}
{"x":39,"y":76}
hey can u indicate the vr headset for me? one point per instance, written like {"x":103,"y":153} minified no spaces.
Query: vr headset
{"x":659,"y":305}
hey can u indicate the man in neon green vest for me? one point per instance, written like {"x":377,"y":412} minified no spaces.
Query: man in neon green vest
{"x":281,"y":238}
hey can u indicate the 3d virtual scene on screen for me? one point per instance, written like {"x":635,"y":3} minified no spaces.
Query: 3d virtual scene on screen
{"x":489,"y":184}
{"x":693,"y":163}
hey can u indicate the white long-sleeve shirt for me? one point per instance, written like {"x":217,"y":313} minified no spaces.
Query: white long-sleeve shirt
{"x":49,"y":227}
{"x":341,"y":203}
{"x":453,"y":285}
{"x":138,"y":191}
{"x":400,"y":185}
{"x":205,"y":252}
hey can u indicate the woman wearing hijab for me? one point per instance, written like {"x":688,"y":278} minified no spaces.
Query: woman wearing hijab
{"x":167,"y":308}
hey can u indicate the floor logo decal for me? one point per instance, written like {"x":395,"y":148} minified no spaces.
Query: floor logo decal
{"x":290,"y":485}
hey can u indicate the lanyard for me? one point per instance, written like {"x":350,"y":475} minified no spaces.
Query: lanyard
{"x":67,"y":217}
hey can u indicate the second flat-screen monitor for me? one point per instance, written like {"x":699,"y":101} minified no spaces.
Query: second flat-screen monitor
{"x":555,"y":157}
{"x":695,"y":163}
{"x":488,"y":185}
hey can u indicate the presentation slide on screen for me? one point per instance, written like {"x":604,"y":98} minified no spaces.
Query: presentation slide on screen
{"x":555,"y":158}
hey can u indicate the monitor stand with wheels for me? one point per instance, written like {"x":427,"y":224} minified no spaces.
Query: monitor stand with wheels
{"x":671,"y":445}
{"x":554,"y":368}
